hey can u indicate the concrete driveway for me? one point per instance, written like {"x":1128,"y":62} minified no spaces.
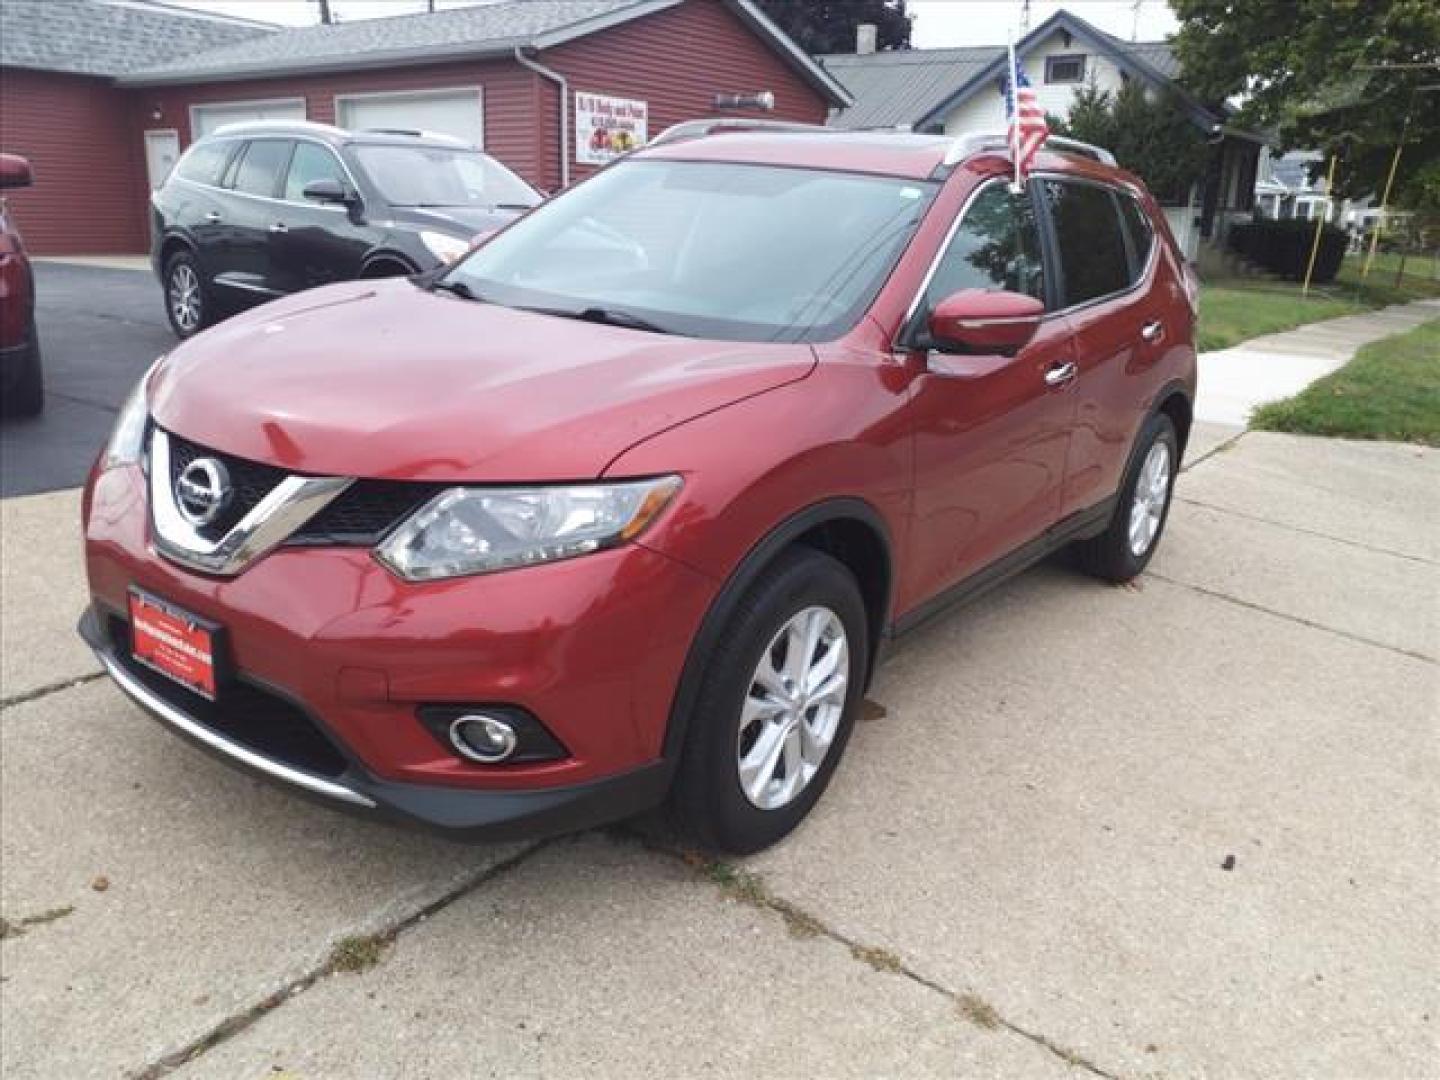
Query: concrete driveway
{"x":1185,"y":828}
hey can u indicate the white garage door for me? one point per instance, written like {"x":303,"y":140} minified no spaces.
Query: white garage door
{"x":204,"y":119}
{"x":451,"y":112}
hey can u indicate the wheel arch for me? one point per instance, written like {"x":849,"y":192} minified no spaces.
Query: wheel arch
{"x":386,"y":257}
{"x":848,"y":529}
{"x":173,"y":244}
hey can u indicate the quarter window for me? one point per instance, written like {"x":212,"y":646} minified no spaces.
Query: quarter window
{"x":997,"y":246}
{"x":309,"y":163}
{"x":1142,"y":236}
{"x":261,"y":162}
{"x":1093,"y":261}
{"x":204,"y":163}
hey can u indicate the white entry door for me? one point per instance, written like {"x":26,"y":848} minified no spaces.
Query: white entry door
{"x":162,"y":150}
{"x":450,"y":112}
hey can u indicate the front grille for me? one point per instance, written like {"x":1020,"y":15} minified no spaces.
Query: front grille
{"x":243,"y":712}
{"x":361,"y":516}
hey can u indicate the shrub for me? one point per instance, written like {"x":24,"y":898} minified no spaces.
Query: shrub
{"x":1283,"y":247}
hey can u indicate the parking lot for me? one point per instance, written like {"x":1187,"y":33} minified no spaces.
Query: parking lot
{"x":1181,"y":828}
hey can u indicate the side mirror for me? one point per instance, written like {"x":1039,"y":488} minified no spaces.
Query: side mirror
{"x":329,"y":190}
{"x":15,"y":171}
{"x":985,"y":321}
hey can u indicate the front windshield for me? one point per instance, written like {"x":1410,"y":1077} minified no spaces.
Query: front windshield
{"x":721,"y":250}
{"x":440,"y":176}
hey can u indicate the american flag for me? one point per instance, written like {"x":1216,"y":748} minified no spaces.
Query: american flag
{"x":1027,"y":132}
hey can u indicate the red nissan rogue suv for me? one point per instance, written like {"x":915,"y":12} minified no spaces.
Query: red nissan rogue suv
{"x":622,"y":507}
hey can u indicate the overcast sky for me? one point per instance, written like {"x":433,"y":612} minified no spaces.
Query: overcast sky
{"x":938,"y":22}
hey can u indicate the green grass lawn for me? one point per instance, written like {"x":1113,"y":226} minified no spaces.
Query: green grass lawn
{"x":1391,"y":390}
{"x":1236,"y":309}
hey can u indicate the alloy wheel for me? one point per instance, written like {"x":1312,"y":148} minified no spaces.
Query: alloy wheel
{"x":793,"y":708}
{"x":185,"y":298}
{"x":1152,"y":490}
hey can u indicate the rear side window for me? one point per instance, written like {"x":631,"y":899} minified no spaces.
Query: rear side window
{"x":1093,"y":260}
{"x":1137,"y":228}
{"x":997,"y":246}
{"x":260,"y":165}
{"x":310,"y":163}
{"x":205,"y":162}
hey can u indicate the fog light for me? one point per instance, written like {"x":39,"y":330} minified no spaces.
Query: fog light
{"x":486,"y":739}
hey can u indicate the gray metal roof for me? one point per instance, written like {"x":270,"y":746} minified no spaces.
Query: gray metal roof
{"x":897,"y":88}
{"x":110,"y":37}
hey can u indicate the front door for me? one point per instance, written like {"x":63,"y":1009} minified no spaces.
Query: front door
{"x":991,"y":432}
{"x":315,"y":243}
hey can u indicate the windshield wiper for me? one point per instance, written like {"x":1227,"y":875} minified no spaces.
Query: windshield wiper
{"x":457,"y":288}
{"x":608,"y":316}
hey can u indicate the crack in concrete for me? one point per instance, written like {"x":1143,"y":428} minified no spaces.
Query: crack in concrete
{"x":749,"y":888}
{"x":1310,"y":623}
{"x":48,"y":689}
{"x":239,"y":1022}
{"x":1306,"y":532}
{"x":1218,"y":448}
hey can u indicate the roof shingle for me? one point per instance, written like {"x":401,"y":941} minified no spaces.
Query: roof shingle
{"x":99,"y":37}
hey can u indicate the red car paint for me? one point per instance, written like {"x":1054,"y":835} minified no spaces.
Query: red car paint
{"x":17,"y":297}
{"x":958,"y":461}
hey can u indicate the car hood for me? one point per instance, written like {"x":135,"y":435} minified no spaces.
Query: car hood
{"x":462,"y":221}
{"x":382,"y":379}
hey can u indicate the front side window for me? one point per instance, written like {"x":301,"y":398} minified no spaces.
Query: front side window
{"x":310,"y":162}
{"x":708,"y":249}
{"x":997,"y":246}
{"x":441,"y":177}
{"x":1093,"y":261}
{"x":260,"y":165}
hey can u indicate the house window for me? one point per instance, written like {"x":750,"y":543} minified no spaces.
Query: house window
{"x":1065,"y":69}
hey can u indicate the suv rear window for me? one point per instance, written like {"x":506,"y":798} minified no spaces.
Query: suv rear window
{"x":1093,"y":260}
{"x":204,"y":162}
{"x":258,"y":171}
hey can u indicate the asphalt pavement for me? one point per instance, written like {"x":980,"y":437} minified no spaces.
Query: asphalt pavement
{"x":100,"y":328}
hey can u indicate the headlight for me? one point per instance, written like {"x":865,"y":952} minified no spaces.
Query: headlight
{"x":476,"y":530}
{"x":445,"y":248}
{"x":127,"y":437}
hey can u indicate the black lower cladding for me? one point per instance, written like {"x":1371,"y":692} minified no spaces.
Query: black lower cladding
{"x":242,"y":711}
{"x":280,"y":730}
{"x":362,"y":515}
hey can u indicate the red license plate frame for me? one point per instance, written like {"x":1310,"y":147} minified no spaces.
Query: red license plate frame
{"x":176,"y":643}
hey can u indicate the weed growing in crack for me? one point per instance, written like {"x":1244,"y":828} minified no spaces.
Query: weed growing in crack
{"x":978,"y":1011}
{"x":359,"y":953}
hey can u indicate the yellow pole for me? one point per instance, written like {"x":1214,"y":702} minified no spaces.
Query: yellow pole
{"x":1380,"y":221}
{"x":1320,"y":225}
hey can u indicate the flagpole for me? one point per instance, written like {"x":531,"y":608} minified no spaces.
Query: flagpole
{"x":1014,"y":82}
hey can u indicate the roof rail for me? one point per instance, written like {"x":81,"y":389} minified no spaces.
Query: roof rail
{"x":973,"y":143}
{"x":242,"y":126}
{"x":417,"y":133}
{"x":697,"y":129}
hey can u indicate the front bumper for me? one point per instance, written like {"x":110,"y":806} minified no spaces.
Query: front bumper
{"x":464,"y":814}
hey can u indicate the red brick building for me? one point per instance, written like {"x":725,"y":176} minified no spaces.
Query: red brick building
{"x":103,"y":95}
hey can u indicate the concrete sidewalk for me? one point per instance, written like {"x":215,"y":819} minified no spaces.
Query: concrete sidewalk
{"x":1183,"y":828}
{"x":1234,"y":381}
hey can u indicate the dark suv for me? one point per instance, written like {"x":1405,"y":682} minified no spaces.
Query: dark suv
{"x":262,"y":209}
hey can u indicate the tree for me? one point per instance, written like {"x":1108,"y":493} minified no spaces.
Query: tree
{"x":828,"y":26}
{"x":1335,"y":75}
{"x":1150,"y":133}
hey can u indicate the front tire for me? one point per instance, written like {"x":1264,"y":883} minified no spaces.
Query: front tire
{"x":188,"y":303}
{"x":1124,"y":549}
{"x":776,"y":705}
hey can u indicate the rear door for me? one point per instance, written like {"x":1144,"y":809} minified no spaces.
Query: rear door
{"x":243,"y":262}
{"x":1103,"y":277}
{"x":315,"y":243}
{"x":991,"y":431}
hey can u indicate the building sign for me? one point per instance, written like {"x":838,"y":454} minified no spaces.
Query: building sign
{"x":606,"y":127}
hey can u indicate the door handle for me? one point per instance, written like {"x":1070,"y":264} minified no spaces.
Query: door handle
{"x":1060,"y":374}
{"x":279,"y":227}
{"x":213,"y":216}
{"x":1152,"y":331}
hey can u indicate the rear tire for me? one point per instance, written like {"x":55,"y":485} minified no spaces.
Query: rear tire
{"x":26,"y":395}
{"x":1124,"y":549}
{"x":189,"y":304}
{"x":755,"y":761}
